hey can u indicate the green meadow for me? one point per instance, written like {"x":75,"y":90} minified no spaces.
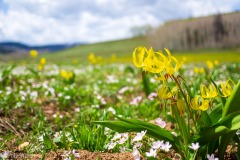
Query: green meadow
{"x":103,"y":101}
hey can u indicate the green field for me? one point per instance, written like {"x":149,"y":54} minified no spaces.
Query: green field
{"x":123,"y":50}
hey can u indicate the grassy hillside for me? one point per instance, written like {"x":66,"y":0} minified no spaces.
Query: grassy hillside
{"x":123,"y":50}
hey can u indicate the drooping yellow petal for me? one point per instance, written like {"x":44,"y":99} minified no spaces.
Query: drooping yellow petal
{"x":164,"y":92}
{"x":210,"y":92}
{"x":198,"y":103}
{"x":227,"y":87}
{"x":138,"y":58}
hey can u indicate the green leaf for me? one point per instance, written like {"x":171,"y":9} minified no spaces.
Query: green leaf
{"x":47,"y":142}
{"x":205,"y":120}
{"x":132,"y":125}
{"x":233,"y":102}
{"x":216,"y":114}
{"x":119,"y":126}
{"x":188,"y":90}
{"x":226,"y":125}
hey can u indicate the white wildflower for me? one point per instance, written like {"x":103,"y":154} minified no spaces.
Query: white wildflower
{"x":151,"y":153}
{"x":139,"y":136}
{"x":194,"y":146}
{"x":211,"y":157}
{"x":160,"y":122}
{"x":157,"y":144}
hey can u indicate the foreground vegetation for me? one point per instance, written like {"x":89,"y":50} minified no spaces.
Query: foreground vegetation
{"x":51,"y":107}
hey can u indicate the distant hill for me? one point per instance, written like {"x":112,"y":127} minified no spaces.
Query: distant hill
{"x":16,"y":47}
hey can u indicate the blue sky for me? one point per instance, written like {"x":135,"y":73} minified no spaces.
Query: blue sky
{"x":40,"y":22}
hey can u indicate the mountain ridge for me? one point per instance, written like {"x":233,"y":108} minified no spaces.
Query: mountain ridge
{"x":8,"y":47}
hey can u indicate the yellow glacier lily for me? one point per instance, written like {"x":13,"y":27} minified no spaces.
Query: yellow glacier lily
{"x":210,"y":92}
{"x":164,"y":92}
{"x":138,"y":58}
{"x":227,"y":88}
{"x":172,"y":64}
{"x":198,"y":103}
{"x":147,"y":60}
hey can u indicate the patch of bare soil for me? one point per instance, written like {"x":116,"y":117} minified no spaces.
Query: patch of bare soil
{"x":84,"y":155}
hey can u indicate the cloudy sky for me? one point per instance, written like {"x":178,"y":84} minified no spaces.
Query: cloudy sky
{"x":38,"y":22}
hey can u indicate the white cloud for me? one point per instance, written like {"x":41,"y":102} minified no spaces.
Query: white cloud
{"x":68,"y":21}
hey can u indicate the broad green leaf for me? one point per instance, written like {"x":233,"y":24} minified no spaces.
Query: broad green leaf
{"x":226,"y":125}
{"x":233,"y":102}
{"x":216,"y":114}
{"x":231,"y":121}
{"x":131,"y":125}
{"x":205,"y":120}
{"x":119,"y":126}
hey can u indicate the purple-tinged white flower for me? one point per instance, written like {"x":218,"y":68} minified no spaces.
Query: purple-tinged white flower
{"x":211,"y":157}
{"x":136,"y":154}
{"x":111,"y":145}
{"x":166,"y":147}
{"x":160,"y":122}
{"x":77,"y":109}
{"x":122,"y":140}
{"x":157,"y":144}
{"x":152,"y":153}
{"x":122,"y":149}
{"x":123,"y":90}
{"x":103,"y":101}
{"x":194,"y":146}
{"x":137,"y":145}
{"x":116,"y":136}
{"x":76,"y":155}
{"x":139,"y":136}
{"x":4,"y":155}
{"x":152,"y":95}
{"x":136,"y":100}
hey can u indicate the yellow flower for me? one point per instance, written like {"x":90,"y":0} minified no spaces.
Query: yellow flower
{"x":155,"y":62}
{"x":209,"y":64}
{"x":172,"y":64}
{"x":198,"y":103}
{"x":33,"y":53}
{"x":66,"y":75}
{"x":93,"y":59}
{"x":138,"y":59}
{"x":164,"y":92}
{"x":210,"y":92}
{"x":43,"y":61}
{"x":196,"y":70}
{"x":227,"y":88}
